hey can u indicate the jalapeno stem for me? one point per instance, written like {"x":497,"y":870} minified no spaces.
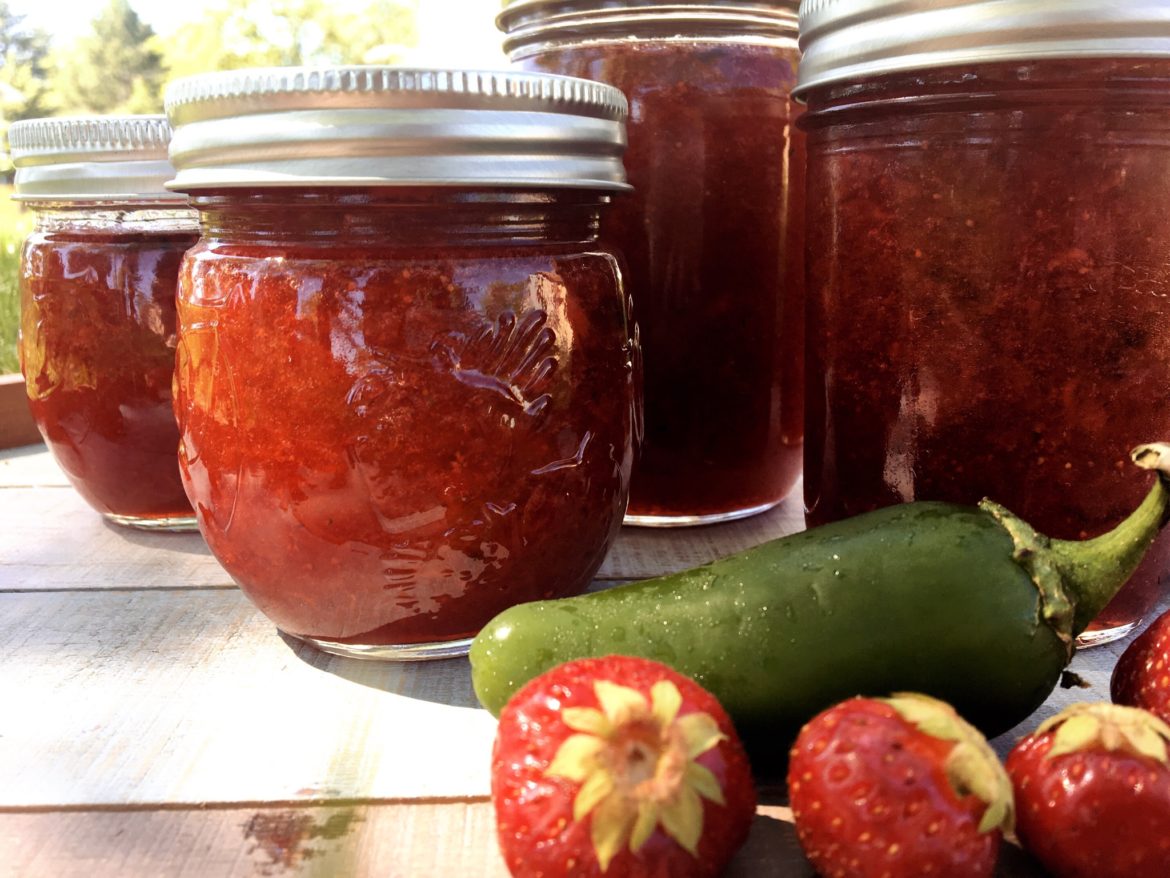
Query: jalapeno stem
{"x":1093,"y":571}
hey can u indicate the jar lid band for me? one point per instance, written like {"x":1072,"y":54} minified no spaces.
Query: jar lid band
{"x":534,"y":25}
{"x":105,"y":158}
{"x":847,"y":40}
{"x":371,"y":126}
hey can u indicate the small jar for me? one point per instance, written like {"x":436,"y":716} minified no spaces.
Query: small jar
{"x":712,"y":235}
{"x":988,"y":281}
{"x":97,"y":289}
{"x":406,"y":382}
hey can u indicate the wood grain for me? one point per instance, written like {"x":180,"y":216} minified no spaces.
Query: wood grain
{"x":339,"y":841}
{"x":28,"y":466}
{"x":640,"y":552}
{"x":153,"y":722}
{"x":162,"y":697}
{"x":393,"y":841}
{"x":52,"y":540}
{"x":183,"y":697}
{"x":389,"y":841}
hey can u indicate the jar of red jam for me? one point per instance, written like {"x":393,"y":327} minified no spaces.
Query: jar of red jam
{"x":97,"y":290}
{"x":712,"y":234}
{"x":406,"y":383}
{"x":989,"y":260}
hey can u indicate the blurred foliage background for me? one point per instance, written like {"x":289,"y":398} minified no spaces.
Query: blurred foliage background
{"x":14,"y":225}
{"x":100,"y":58}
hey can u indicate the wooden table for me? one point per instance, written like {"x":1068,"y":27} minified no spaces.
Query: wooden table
{"x":153,"y":723}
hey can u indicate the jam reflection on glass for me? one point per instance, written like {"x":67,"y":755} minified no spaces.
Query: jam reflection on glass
{"x":990,"y":294}
{"x":712,"y":237}
{"x":403,"y":411}
{"x":98,"y":353}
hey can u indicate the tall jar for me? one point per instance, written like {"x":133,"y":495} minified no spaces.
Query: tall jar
{"x":712,"y":235}
{"x":406,"y":383}
{"x":97,"y":289}
{"x":988,"y":270}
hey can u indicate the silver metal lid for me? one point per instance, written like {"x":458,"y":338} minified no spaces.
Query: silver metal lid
{"x":532,"y":25}
{"x":378,"y":126}
{"x":846,"y":40}
{"x":108,"y":158}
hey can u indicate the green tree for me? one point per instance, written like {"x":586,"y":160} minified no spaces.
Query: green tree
{"x":272,"y":33}
{"x":116,"y":68}
{"x":24,"y":90}
{"x":24,"y":53}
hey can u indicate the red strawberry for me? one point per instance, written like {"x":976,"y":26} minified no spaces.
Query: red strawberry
{"x":618,"y":766}
{"x":1093,"y":793}
{"x":897,"y":787}
{"x":1142,"y":675}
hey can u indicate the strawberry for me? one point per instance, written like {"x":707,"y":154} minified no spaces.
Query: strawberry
{"x":894,"y":787}
{"x":1142,"y":675}
{"x":1093,"y":793}
{"x":621,"y":767}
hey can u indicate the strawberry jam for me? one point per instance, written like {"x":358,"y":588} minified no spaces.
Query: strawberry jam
{"x":712,"y":234}
{"x":404,"y":410}
{"x":98,"y":351}
{"x":988,"y":293}
{"x":97,"y":288}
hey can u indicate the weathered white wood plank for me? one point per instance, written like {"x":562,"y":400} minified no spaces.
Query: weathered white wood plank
{"x":28,"y":466}
{"x":395,"y":841}
{"x":187,"y":697}
{"x":50,"y":539}
{"x":640,"y":552}
{"x":398,"y":841}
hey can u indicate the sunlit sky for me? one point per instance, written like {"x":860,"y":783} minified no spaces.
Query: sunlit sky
{"x":452,"y":32}
{"x":65,"y":19}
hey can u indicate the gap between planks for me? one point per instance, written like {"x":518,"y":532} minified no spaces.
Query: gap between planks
{"x":315,"y":802}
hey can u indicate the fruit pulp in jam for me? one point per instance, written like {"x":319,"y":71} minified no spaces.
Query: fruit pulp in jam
{"x":98,"y":343}
{"x":398,"y":422}
{"x":712,"y":235}
{"x":988,"y":295}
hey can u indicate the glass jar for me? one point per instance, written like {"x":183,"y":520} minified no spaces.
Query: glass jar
{"x":987,"y":262}
{"x":97,"y":288}
{"x":406,"y":382}
{"x":712,"y":235}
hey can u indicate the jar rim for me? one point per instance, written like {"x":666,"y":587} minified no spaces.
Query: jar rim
{"x":848,"y":40}
{"x":531,"y":25}
{"x":92,"y":158}
{"x":375,"y":126}
{"x":514,"y":8}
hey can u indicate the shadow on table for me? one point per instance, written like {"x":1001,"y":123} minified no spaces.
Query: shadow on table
{"x":772,"y":851}
{"x":444,"y":681}
{"x":163,"y":541}
{"x":20,"y":451}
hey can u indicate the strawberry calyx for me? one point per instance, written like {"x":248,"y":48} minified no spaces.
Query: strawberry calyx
{"x":972,"y":768}
{"x":1110,"y":727}
{"x":635,"y":759}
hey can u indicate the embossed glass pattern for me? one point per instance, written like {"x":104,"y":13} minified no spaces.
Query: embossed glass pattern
{"x":403,"y":410}
{"x":97,"y":291}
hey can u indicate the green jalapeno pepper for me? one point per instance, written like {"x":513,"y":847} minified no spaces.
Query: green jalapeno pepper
{"x":968,"y":604}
